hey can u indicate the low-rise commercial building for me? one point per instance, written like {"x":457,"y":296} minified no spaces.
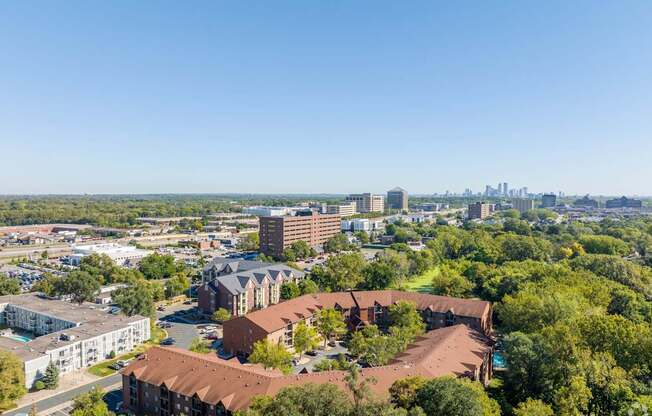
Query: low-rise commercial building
{"x":624,"y":202}
{"x":586,"y":202}
{"x":278,"y":233}
{"x":121,"y":255}
{"x":42,"y":330}
{"x":367,"y":202}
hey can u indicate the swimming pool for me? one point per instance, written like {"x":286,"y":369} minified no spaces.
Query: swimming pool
{"x":499,"y":360}
{"x":19,"y":338}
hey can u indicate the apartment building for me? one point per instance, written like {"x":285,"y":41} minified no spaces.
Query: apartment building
{"x":523,"y":205}
{"x":172,"y":381}
{"x":278,"y":322}
{"x":344,"y":210}
{"x":278,"y":233}
{"x":367,"y":202}
{"x":397,"y":198}
{"x":480,"y":210}
{"x":243,"y":286}
{"x":41,"y":330}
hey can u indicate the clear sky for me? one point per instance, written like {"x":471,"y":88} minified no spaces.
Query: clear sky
{"x":325,"y":96}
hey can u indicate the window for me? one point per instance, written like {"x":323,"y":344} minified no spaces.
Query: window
{"x":197,"y":407}
{"x":450,"y":318}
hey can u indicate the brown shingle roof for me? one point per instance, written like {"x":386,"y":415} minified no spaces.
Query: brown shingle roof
{"x":455,"y":350}
{"x":280,"y":315}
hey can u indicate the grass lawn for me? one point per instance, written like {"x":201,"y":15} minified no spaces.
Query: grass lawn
{"x":421,"y":283}
{"x":102,"y":369}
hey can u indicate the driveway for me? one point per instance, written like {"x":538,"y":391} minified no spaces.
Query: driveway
{"x":331,"y":354}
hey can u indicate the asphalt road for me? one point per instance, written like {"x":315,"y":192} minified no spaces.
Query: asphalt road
{"x":182,"y":332}
{"x":66,"y":396}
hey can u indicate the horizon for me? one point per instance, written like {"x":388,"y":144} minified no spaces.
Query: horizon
{"x":243,"y":97}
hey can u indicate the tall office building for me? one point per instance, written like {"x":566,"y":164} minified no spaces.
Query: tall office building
{"x":397,"y":198}
{"x":505,"y":189}
{"x":367,"y":202}
{"x":523,"y":205}
{"x":278,"y":233}
{"x":548,"y":200}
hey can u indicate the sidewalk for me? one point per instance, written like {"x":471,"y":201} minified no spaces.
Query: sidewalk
{"x":66,"y":382}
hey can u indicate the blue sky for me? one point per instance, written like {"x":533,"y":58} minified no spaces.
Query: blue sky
{"x":330,"y":96}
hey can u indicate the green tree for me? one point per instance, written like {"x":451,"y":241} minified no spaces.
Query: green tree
{"x":221,"y":315}
{"x":532,"y":407}
{"x":47,"y":285}
{"x":604,"y":244}
{"x":573,"y":399}
{"x":404,"y":314}
{"x":362,"y":236}
{"x":79,"y":285}
{"x":12,"y":379}
{"x":449,"y":282}
{"x":51,"y":377}
{"x":90,"y":404}
{"x":447,"y":396}
{"x":271,"y":355}
{"x":176,"y":285}
{"x":135,"y":300}
{"x":330,"y":323}
{"x":304,"y":400}
{"x":158,"y":266}
{"x":341,"y":272}
{"x":250,"y":242}
{"x":307,"y":286}
{"x":200,"y":346}
{"x":337,"y":243}
{"x":305,"y":339}
{"x":290,"y":290}
{"x":8,"y":286}
{"x":403,"y":392}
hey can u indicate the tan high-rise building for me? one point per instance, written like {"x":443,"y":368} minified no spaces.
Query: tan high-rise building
{"x":278,"y":233}
{"x":523,"y":205}
{"x":367,"y":202}
{"x":345,"y":210}
{"x":480,"y":210}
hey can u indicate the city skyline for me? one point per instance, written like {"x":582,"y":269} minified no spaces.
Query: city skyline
{"x":304,"y":98}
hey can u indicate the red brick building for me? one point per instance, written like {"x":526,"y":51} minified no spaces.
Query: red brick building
{"x":171,"y":381}
{"x":279,"y":232}
{"x":241,"y":286}
{"x":277,"y":322}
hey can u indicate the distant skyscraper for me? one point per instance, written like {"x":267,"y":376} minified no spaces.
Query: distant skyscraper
{"x":548,"y":200}
{"x":500,"y":188}
{"x":397,"y":198}
{"x":505,"y":189}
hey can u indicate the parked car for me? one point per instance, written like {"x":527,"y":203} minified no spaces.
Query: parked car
{"x":312,"y":353}
{"x":168,"y":341}
{"x":114,"y":366}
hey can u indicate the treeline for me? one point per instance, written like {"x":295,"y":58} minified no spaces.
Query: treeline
{"x":572,"y":304}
